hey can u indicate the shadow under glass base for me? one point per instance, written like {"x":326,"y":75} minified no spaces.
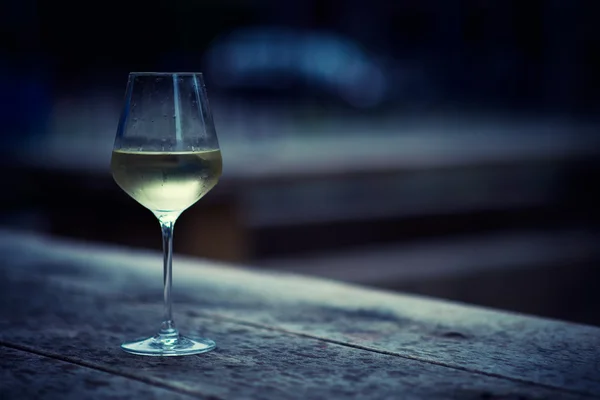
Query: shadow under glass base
{"x":177,"y":346}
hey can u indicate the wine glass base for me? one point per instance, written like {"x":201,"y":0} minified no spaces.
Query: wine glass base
{"x":180,"y":346}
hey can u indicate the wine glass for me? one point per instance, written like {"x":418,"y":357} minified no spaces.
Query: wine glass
{"x":166,"y":156}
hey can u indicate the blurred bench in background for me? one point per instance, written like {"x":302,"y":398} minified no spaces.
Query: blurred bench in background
{"x":388,"y":205}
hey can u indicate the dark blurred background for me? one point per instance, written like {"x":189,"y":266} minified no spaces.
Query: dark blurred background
{"x":441,"y":147}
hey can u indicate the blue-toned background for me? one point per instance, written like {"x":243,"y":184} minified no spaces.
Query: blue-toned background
{"x":448,"y":148}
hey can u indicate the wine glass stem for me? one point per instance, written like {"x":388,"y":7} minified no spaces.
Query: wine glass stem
{"x":168,"y":325}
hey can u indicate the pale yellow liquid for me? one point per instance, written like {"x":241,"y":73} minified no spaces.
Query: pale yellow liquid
{"x":166,"y":182}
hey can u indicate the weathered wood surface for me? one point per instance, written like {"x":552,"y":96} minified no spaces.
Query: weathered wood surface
{"x":26,"y":375}
{"x":279,"y":335}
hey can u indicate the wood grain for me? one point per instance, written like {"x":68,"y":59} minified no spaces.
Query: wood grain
{"x":281,"y":335}
{"x":24,"y":375}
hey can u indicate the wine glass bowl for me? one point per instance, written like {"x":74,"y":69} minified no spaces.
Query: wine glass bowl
{"x":166,"y":156}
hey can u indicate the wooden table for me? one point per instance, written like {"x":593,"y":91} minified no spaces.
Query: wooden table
{"x":67,"y":305}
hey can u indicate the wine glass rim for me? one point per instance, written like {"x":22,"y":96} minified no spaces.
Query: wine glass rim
{"x":165,"y":73}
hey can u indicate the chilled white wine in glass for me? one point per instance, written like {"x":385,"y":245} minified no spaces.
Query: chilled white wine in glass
{"x":166,"y":182}
{"x":166,"y":156}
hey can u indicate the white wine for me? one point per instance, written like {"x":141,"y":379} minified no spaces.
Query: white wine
{"x":166,"y":182}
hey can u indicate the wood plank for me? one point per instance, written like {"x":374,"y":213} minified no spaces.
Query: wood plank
{"x":251,"y":362}
{"x":79,"y":281}
{"x":261,"y":364}
{"x":25,"y":375}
